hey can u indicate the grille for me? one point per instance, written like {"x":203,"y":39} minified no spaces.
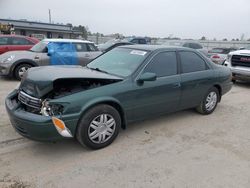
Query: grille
{"x":29,"y":100}
{"x":239,"y":60}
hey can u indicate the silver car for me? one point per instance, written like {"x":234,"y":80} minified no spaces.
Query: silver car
{"x":16,"y":63}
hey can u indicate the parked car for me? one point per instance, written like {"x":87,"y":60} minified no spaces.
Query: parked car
{"x":189,"y":44}
{"x":138,"y":40}
{"x":239,"y":63}
{"x":110,"y":45}
{"x":126,"y":84}
{"x":219,"y":55}
{"x":16,"y":63}
{"x":16,"y":42}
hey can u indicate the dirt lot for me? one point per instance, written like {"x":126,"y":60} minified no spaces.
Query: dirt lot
{"x":184,"y":149}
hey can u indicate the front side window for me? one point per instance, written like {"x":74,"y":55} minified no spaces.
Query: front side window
{"x":163,"y":64}
{"x":40,"y":47}
{"x":191,"y":62}
{"x":119,"y":61}
{"x":91,"y":48}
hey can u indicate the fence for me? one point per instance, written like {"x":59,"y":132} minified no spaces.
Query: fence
{"x":209,"y":44}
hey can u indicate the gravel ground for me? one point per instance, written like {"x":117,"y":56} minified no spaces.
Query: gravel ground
{"x":179,"y":150}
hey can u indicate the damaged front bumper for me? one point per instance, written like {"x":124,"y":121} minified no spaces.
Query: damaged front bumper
{"x":35,"y":126}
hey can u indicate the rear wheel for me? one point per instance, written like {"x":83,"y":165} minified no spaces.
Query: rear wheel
{"x":20,"y":70}
{"x":99,"y":127}
{"x":209,"y":102}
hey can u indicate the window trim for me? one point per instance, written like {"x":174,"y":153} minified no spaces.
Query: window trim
{"x":179,"y":56}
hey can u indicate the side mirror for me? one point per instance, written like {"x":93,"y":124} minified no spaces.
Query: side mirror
{"x":147,"y":76}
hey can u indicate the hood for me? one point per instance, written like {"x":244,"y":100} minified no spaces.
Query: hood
{"x":19,"y":55}
{"x":240,"y":52}
{"x":39,"y":81}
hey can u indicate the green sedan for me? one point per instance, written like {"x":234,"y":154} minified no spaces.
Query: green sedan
{"x":124,"y":85}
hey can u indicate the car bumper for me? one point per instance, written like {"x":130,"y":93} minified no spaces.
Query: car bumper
{"x":239,"y":73}
{"x":5,"y":69}
{"x":226,"y":88}
{"x":33,"y":126}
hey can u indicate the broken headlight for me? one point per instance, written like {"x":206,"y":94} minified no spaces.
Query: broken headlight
{"x":51,"y":109}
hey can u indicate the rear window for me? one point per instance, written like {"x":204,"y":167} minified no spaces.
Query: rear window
{"x":220,"y":51}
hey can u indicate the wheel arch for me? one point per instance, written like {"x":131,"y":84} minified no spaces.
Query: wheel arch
{"x":22,"y":61}
{"x":108,"y":101}
{"x":218,"y":86}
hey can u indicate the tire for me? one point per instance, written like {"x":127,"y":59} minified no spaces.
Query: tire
{"x":93,"y":132}
{"x":204,"y":108}
{"x":20,"y":70}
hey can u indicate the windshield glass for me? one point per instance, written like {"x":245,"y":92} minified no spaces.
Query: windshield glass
{"x":39,"y":47}
{"x":248,"y":47}
{"x":119,"y":61}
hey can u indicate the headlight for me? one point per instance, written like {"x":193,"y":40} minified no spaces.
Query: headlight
{"x":8,"y":59}
{"x":51,"y":109}
{"x":229,"y":56}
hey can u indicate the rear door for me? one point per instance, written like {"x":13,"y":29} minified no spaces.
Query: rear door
{"x":196,"y":78}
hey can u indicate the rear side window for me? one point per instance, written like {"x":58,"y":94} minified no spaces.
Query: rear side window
{"x":20,"y":41}
{"x":191,"y":62}
{"x":81,"y":47}
{"x":3,"y":41}
{"x":163,"y":64}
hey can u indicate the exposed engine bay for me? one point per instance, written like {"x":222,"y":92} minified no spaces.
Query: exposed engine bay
{"x":61,"y":88}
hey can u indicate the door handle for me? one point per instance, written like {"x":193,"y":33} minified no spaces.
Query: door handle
{"x":176,"y":85}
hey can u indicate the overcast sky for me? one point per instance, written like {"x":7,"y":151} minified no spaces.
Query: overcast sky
{"x":160,"y":18}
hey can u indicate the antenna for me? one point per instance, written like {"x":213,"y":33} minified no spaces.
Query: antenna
{"x":49,"y":16}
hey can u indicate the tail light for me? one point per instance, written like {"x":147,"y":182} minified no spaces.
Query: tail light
{"x":215,"y":56}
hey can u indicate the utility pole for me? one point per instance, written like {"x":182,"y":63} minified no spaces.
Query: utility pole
{"x":49,"y":16}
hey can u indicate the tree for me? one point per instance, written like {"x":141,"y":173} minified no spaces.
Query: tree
{"x":224,"y":39}
{"x":82,"y":29}
{"x":203,"y":38}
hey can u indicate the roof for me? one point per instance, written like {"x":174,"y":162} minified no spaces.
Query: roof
{"x":24,"y":24}
{"x":67,"y":40}
{"x":148,"y":47}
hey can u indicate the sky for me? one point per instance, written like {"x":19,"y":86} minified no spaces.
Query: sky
{"x":155,"y":18}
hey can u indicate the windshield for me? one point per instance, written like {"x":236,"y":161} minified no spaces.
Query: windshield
{"x":248,"y":47}
{"x":39,"y":47}
{"x":119,"y":61}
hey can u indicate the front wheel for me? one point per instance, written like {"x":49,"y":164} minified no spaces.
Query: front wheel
{"x":20,"y":70}
{"x":209,"y":102}
{"x":99,"y":127}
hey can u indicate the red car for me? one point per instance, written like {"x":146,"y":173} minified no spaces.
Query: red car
{"x":16,"y":42}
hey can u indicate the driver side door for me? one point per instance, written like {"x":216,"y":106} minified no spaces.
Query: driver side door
{"x":161,"y":96}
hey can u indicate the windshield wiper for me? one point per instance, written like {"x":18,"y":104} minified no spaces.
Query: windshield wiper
{"x":97,"y":69}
